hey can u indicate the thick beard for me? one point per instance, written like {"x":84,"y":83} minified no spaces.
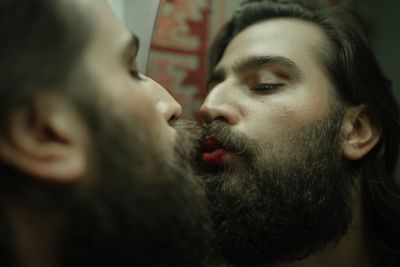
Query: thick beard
{"x":138,"y":208}
{"x":291,"y":200}
{"x":135,"y":207}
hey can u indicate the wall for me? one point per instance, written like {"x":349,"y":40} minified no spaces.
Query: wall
{"x":139,"y":16}
{"x":119,"y":8}
{"x":179,"y":49}
{"x":383,"y":21}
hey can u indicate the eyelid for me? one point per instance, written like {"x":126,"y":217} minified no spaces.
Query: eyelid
{"x":266,"y":87}
{"x":133,"y":70}
{"x":136,"y":75}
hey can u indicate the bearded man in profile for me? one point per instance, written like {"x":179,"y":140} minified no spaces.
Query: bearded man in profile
{"x":91,"y":173}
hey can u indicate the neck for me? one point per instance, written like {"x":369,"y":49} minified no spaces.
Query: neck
{"x":34,"y":232}
{"x":353,"y":250}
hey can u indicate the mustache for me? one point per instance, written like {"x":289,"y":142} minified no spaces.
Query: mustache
{"x":188,"y":139}
{"x":234,"y":142}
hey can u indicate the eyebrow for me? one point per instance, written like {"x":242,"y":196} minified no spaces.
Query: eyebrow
{"x":255,"y":62}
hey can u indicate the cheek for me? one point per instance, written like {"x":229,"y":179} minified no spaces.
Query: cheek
{"x":148,"y":107}
{"x":273,"y":120}
{"x":160,"y":132}
{"x":272,"y":123}
{"x":145,"y":109}
{"x":158,"y":94}
{"x":129,"y":97}
{"x":133,"y":97}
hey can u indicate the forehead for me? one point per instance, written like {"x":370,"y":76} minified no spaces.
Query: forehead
{"x":108,"y":56}
{"x":109,"y":34}
{"x":298,"y":40}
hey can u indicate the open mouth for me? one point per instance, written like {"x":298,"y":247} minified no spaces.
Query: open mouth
{"x":214,"y":153}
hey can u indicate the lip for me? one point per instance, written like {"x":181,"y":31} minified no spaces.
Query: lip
{"x":214,"y":154}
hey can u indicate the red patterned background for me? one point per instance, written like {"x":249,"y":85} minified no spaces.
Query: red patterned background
{"x":179,"y":47}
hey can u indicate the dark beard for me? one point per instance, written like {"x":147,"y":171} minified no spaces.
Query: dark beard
{"x":136,"y":207}
{"x":285,"y":201}
{"x":144,"y":210}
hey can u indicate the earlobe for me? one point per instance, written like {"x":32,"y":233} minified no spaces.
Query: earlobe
{"x":46,"y":140}
{"x":360,"y":133}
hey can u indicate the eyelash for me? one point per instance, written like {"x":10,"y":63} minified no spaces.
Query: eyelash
{"x":136,"y":75}
{"x":266,"y":87}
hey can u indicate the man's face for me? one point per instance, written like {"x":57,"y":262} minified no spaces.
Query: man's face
{"x":111,"y":61}
{"x":137,"y":204}
{"x":270,"y":81}
{"x":144,"y":203}
{"x":271,"y":152}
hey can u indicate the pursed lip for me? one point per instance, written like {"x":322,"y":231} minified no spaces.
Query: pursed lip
{"x":213,"y":152}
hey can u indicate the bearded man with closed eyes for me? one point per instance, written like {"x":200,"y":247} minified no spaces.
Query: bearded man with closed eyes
{"x":301,"y":141}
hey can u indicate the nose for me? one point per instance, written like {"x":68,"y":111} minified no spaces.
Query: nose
{"x":165,"y":103}
{"x":169,"y":108}
{"x":219,"y":105}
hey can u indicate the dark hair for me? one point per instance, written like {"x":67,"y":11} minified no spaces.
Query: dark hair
{"x":40,"y":46}
{"x":358,"y":80}
{"x":41,"y":42}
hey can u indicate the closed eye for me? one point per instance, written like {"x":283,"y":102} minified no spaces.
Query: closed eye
{"x":136,"y":75}
{"x":266,"y":87}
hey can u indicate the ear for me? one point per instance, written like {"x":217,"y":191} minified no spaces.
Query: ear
{"x":46,"y":139}
{"x":360,"y":134}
